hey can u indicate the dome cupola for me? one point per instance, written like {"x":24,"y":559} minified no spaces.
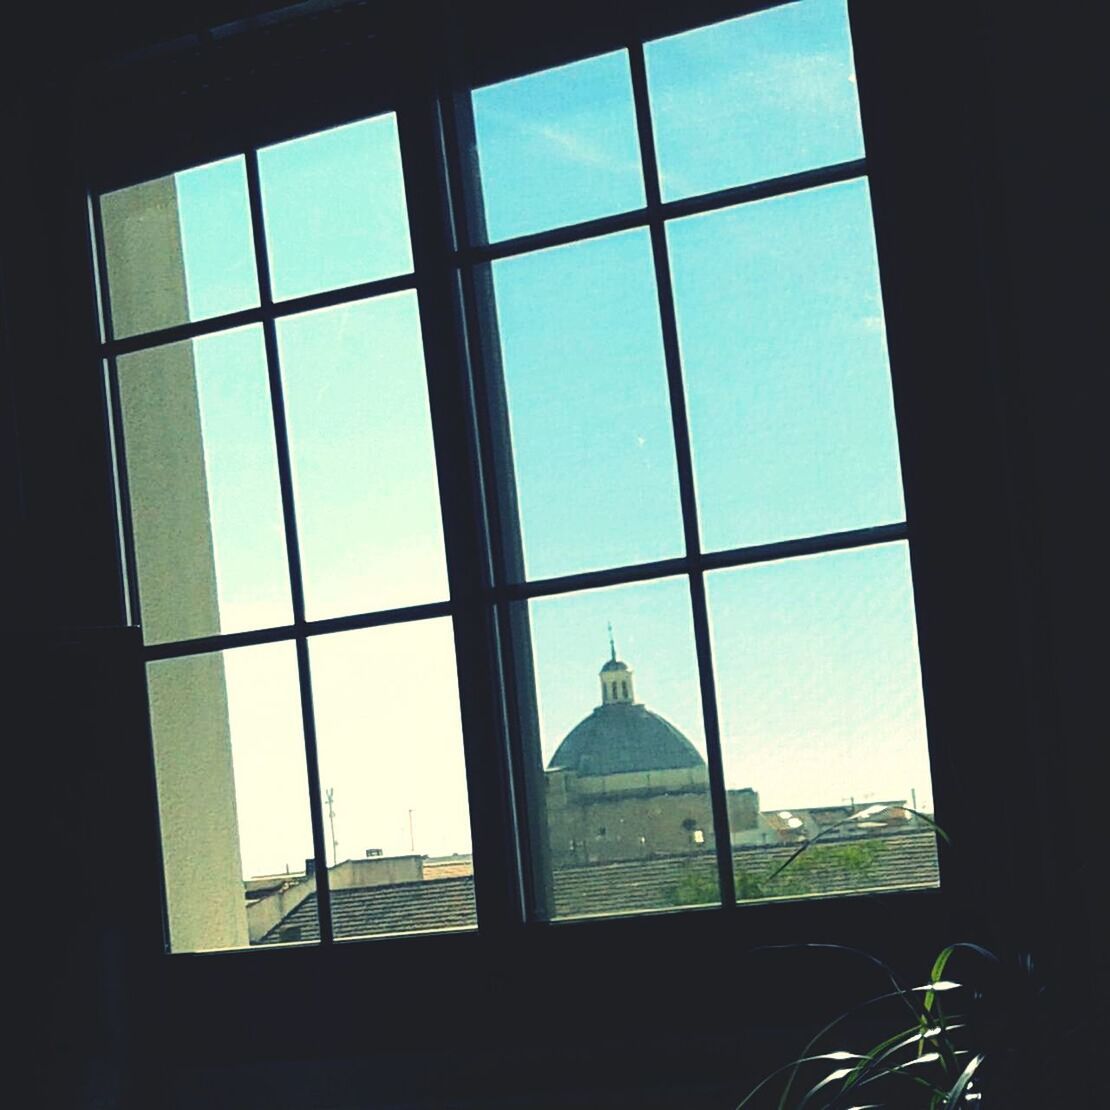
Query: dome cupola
{"x":622,"y":736}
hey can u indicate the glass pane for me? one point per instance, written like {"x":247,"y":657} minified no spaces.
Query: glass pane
{"x":364,"y":472}
{"x":390,"y":748}
{"x":588,"y":404}
{"x":819,"y":691}
{"x":233,"y":798}
{"x":334,"y":208}
{"x":179,"y":248}
{"x":203,"y":483}
{"x":558,"y":147}
{"x":784,"y":355}
{"x":626,"y":787}
{"x":758,"y":97}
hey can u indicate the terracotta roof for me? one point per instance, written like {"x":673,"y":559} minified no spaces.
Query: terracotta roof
{"x":895,"y":861}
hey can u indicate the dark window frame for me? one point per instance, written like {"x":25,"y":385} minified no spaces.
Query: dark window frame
{"x":940,"y":520}
{"x":484,"y":551}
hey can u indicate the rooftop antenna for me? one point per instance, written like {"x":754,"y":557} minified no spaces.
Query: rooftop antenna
{"x":330,"y":799}
{"x":412,"y":836}
{"x":612,"y":646}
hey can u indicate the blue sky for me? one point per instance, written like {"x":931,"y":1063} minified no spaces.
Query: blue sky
{"x":787,"y":384}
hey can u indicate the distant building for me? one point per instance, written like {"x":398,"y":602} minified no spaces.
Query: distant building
{"x":626,"y":784}
{"x":844,"y":822}
{"x":630,"y":829}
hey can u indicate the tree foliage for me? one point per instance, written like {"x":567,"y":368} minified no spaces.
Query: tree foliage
{"x":844,"y":866}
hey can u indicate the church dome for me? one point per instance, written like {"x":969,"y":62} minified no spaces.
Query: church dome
{"x":623,"y":736}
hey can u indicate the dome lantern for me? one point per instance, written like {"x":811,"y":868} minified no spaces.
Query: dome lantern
{"x":616,"y":678}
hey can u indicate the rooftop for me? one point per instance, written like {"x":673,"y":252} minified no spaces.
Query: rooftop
{"x":897,"y":861}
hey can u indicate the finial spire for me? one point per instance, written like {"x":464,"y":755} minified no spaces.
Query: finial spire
{"x":612,"y":646}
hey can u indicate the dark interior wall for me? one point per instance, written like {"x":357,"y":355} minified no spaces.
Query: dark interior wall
{"x":101,"y":1038}
{"x":1044,"y":96}
{"x":1046,"y":236}
{"x":1044,"y":232}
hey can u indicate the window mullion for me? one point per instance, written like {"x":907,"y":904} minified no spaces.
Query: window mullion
{"x":517,"y":677}
{"x":685,"y":465}
{"x":497,"y":871}
{"x":129,"y":578}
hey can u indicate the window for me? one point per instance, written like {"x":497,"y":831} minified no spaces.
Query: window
{"x":359,"y":378}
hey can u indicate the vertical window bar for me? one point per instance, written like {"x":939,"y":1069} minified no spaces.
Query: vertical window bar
{"x":514,"y":632}
{"x":116,"y":480}
{"x":497,"y":872}
{"x":129,"y":578}
{"x":292,"y":546}
{"x":684,"y":457}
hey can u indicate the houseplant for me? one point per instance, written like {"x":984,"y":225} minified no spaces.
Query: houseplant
{"x":974,"y":1031}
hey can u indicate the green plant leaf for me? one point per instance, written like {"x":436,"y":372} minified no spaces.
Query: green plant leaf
{"x":941,"y":962}
{"x":805,"y":846}
{"x":800,"y":850}
{"x":901,"y":1071}
{"x":899,"y":992}
{"x":932,"y":1009}
{"x":928,"y":1040}
{"x":931,"y":823}
{"x":832,"y":1077}
{"x":898,"y":1071}
{"x":794,"y":1064}
{"x":823,"y":1032}
{"x":886,"y":1050}
{"x":960,"y":1086}
{"x":947,"y":952}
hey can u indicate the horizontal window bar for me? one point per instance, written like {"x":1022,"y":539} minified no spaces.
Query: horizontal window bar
{"x":667,"y":210}
{"x":764,"y":190}
{"x":713,"y":560}
{"x":590,"y":229}
{"x":811,"y":545}
{"x":557,"y":236}
{"x":195,"y":329}
{"x":205,"y":644}
{"x":546,"y":587}
{"x":594,"y":579}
